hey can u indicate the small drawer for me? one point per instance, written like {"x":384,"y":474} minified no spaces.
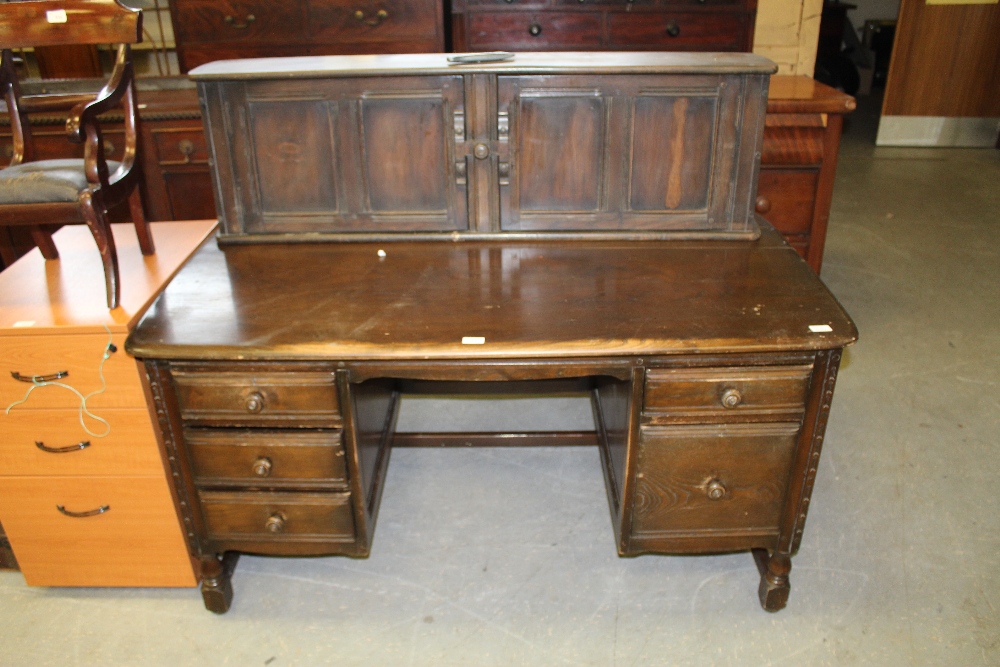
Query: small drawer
{"x":266,"y":458}
{"x":136,"y":541}
{"x":249,"y":21}
{"x":79,"y":356}
{"x":297,"y":399}
{"x":178,"y":146}
{"x":697,"y":395}
{"x":52,"y":442}
{"x":692,"y":481}
{"x":678,"y":30}
{"x":533,"y":30}
{"x":269,"y":517}
{"x":793,"y":139}
{"x":371,"y":20}
{"x":786,"y":198}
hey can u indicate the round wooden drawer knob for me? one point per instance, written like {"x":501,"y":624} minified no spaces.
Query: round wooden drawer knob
{"x":262,"y":467}
{"x":715,"y":490}
{"x":763,"y":204}
{"x":275,"y":523}
{"x":731,"y":398}
{"x":255,"y":402}
{"x":535,"y":29}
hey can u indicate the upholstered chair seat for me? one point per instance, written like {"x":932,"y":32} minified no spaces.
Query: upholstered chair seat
{"x":45,"y":181}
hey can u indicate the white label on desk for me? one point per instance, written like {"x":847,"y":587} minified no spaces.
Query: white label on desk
{"x":820,"y":328}
{"x":56,"y":16}
{"x":25,"y":323}
{"x":473,"y":340}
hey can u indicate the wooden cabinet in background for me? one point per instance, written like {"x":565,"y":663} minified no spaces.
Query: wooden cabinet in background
{"x":208,"y":30}
{"x":608,"y":25}
{"x":86,"y":506}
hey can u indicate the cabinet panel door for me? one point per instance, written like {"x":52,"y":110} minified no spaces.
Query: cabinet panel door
{"x":368,"y":154}
{"x":588,"y":153}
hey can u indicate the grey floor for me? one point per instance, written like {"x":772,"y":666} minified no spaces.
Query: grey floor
{"x":505,"y":557}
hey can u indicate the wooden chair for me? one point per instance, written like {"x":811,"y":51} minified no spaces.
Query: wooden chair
{"x":46,"y":192}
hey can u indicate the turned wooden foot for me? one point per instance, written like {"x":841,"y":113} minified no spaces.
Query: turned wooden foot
{"x":216,"y":581}
{"x":774,"y":585}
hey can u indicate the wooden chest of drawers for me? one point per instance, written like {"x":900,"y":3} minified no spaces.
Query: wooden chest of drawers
{"x":208,"y":30}
{"x":86,"y":503}
{"x":603,"y":25}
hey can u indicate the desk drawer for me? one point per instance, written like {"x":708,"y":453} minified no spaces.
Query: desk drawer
{"x":729,"y":480}
{"x":248,"y":21}
{"x":534,"y":31}
{"x":180,"y":146}
{"x":277,"y":516}
{"x":697,"y":395}
{"x":130,"y":447}
{"x":266,"y":458}
{"x":296,"y":398}
{"x":786,"y":198}
{"x":80,"y":356}
{"x":136,"y":542}
{"x":681,"y":31}
{"x":379,"y":20}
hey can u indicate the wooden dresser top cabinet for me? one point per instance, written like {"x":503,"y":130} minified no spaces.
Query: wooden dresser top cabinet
{"x":118,"y":525}
{"x":208,"y":30}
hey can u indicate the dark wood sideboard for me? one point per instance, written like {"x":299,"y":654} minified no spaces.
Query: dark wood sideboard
{"x":609,"y":25}
{"x":361,"y":260}
{"x":207,"y":30}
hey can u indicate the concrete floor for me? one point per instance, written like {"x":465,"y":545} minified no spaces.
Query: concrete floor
{"x":505,"y":557}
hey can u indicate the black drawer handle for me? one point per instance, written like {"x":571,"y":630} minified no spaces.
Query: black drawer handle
{"x":35,"y":379}
{"x":63,"y":450}
{"x":240,"y":26}
{"x":81,"y":515}
{"x":673,"y":29}
{"x":535,"y":29}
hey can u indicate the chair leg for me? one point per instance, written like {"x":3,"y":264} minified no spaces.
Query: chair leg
{"x":141,"y":225}
{"x":97,"y":220}
{"x":43,"y":239}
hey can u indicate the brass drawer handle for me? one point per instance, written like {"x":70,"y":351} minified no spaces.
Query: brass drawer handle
{"x":715,"y":490}
{"x":731,"y":398}
{"x":255,"y":402}
{"x":240,"y":26}
{"x":186,"y":148}
{"x":673,"y":29}
{"x":380,"y":16}
{"x":63,"y":450}
{"x":262,"y":467}
{"x":35,"y":379}
{"x":80,"y":515}
{"x":275,"y":523}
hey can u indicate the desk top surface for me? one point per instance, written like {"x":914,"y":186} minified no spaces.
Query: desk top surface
{"x":525,"y":300}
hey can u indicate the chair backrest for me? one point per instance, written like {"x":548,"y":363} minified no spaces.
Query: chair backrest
{"x":31,"y":23}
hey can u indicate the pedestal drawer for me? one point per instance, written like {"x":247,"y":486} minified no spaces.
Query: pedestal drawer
{"x":694,"y":395}
{"x":277,"y":516}
{"x":298,"y":399}
{"x":28,"y":438}
{"x":266,"y":458}
{"x":725,"y":480}
{"x":136,"y":541}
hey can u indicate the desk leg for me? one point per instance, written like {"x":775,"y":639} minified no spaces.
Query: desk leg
{"x":774,"y":585}
{"x":216,"y":580}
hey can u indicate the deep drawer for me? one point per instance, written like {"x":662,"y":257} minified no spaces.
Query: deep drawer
{"x":533,"y":30}
{"x":175,"y":147}
{"x":730,"y":480}
{"x":269,"y":517}
{"x":694,"y":395}
{"x":266,"y":458}
{"x":678,"y":30}
{"x":372,"y":20}
{"x":250,"y":21}
{"x":786,"y":198}
{"x":297,"y":398}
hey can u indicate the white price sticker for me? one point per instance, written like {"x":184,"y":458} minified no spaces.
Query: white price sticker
{"x":56,"y":16}
{"x":473,"y":340}
{"x":820,"y":328}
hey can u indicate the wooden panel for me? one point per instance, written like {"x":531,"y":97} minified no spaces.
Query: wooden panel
{"x":672,"y":150}
{"x":293,"y":157}
{"x":208,"y":20}
{"x":256,"y":516}
{"x":787,"y":198}
{"x":129,"y":448}
{"x":137,"y":542}
{"x":257,"y":398}
{"x":945,"y":61}
{"x":692,"y":395}
{"x":560,"y":141}
{"x":712,"y":479}
{"x":513,"y":31}
{"x":266,"y":458}
{"x":80,"y":356}
{"x":405,"y":156}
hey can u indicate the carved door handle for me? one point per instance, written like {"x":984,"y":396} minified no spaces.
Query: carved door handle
{"x":240,"y":26}
{"x":380,"y":16}
{"x":62,"y":450}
